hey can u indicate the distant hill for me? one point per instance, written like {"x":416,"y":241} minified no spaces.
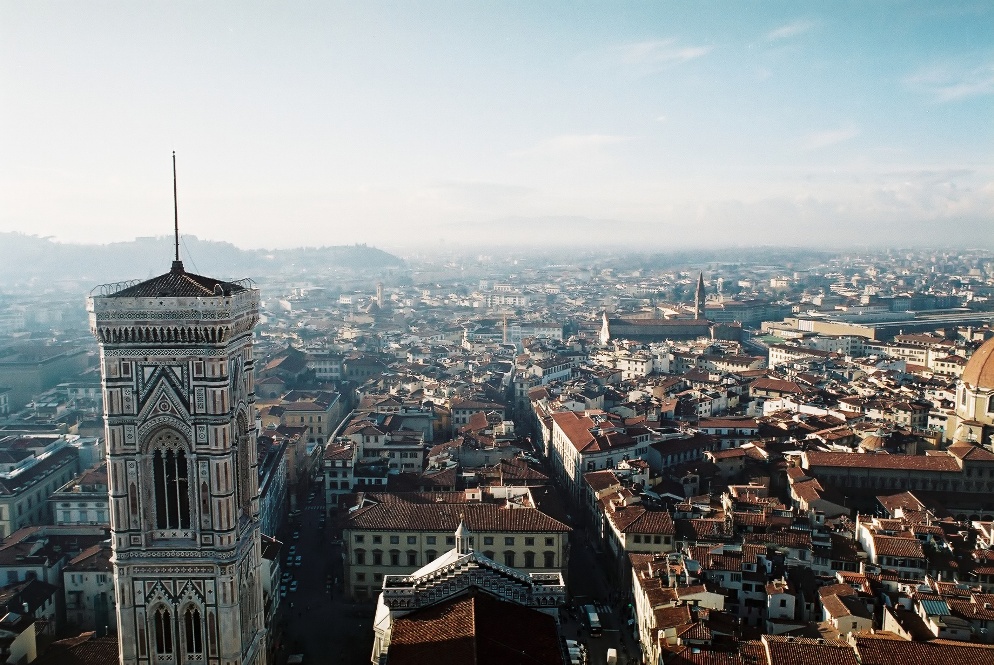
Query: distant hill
{"x":26,"y":258}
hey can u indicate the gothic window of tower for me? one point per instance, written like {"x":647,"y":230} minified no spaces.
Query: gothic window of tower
{"x":163,"y":632}
{"x":244,"y":462}
{"x":170,"y":480}
{"x":193,"y":631}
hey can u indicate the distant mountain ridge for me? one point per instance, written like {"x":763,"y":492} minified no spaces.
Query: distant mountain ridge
{"x":25,"y":257}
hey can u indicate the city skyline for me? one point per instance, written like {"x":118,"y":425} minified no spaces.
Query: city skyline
{"x":418,"y":125}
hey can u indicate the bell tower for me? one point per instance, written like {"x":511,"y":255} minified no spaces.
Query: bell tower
{"x":176,"y":367}
{"x":699,"y":298}
{"x":177,"y":372}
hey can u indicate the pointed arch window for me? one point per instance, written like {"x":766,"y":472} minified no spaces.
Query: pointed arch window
{"x":163,"y":632}
{"x":171,"y":471}
{"x":243,"y":472}
{"x":194,"y":631}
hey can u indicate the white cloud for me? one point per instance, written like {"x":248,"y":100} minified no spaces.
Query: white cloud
{"x":818,"y":140}
{"x":949,"y":84}
{"x":790,"y":30}
{"x":572,"y":143}
{"x":664,"y":51}
{"x":649,"y":57}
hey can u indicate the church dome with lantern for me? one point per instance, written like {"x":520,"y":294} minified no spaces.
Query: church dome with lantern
{"x":975,"y":395}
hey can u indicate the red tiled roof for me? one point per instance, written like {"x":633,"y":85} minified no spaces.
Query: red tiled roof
{"x":776,"y":385}
{"x":84,"y":649}
{"x":964,"y":450}
{"x":636,"y":519}
{"x":899,"y":547}
{"x":671,"y":617}
{"x":96,"y":557}
{"x":804,"y":651}
{"x":838,"y":589}
{"x":578,"y":429}
{"x":178,"y":283}
{"x":476,"y":628}
{"x":698,"y":656}
{"x":887,"y":650}
{"x":940,"y":462}
{"x":442,"y":511}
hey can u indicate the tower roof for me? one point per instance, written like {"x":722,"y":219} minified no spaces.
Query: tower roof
{"x":979,"y":370}
{"x":177,"y":283}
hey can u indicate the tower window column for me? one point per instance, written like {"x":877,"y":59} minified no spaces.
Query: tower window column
{"x":172,"y":496}
{"x":163,"y":632}
{"x":194,"y":632}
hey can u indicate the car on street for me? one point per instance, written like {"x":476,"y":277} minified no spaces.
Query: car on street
{"x":297,"y":560}
{"x":293,"y":586}
{"x":296,"y":535}
{"x":282,"y":591}
{"x":292,"y":551}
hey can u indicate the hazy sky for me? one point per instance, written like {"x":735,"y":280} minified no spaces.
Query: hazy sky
{"x":307,"y":123}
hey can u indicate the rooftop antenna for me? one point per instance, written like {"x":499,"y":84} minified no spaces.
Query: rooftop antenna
{"x":177,"y":264}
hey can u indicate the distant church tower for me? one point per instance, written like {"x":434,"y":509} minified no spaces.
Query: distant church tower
{"x":699,"y":298}
{"x":176,"y":367}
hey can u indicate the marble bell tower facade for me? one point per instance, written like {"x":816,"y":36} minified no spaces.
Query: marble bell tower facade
{"x":177,"y":373}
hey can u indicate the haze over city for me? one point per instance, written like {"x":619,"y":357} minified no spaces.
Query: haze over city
{"x":447,"y":124}
{"x":572,"y":333}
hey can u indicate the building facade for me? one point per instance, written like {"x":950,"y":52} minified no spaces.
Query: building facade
{"x":177,"y":370}
{"x":83,"y":500}
{"x":396,"y":534}
{"x":32,"y":467}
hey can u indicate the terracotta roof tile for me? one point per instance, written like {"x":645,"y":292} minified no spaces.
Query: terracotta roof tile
{"x":441,"y":511}
{"x":84,"y":649}
{"x":886,"y":650}
{"x":899,"y":547}
{"x":179,"y":284}
{"x":940,"y":462}
{"x":804,"y":651}
{"x":476,"y":628}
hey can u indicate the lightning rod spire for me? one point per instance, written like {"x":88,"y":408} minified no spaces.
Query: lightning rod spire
{"x":177,"y":264}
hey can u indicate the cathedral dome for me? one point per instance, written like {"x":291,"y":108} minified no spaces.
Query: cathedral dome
{"x":979,"y":370}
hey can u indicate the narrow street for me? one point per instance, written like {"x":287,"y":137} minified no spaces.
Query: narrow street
{"x":329,"y":630}
{"x":589,"y":585}
{"x":316,"y":620}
